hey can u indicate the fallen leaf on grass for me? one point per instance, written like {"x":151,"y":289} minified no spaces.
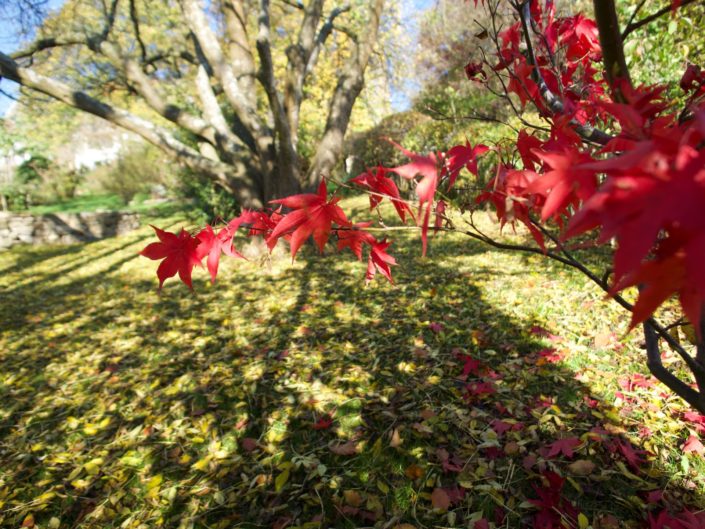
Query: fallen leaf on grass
{"x":344,"y":449}
{"x":581,"y":467}
{"x":440,"y":499}
{"x":693,"y":445}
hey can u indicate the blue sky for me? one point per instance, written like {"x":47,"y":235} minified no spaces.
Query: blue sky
{"x":11,"y":40}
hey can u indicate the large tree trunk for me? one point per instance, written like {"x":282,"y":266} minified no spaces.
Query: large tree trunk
{"x":346,"y":92}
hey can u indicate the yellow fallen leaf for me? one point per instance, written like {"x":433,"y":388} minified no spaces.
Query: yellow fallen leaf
{"x":583,"y":521}
{"x":281,"y":480}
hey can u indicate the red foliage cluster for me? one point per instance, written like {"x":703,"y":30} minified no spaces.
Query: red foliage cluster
{"x":643,"y":189}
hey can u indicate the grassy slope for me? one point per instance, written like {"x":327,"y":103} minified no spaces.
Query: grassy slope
{"x":124,"y":408}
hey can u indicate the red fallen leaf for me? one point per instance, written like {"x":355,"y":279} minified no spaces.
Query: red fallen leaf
{"x":449,"y":463}
{"x":693,"y":445}
{"x":436,"y":327}
{"x":591,"y":403}
{"x":637,"y":380}
{"x":179,"y":254}
{"x":500,"y":427}
{"x":482,"y":523}
{"x":633,"y":457}
{"x":529,"y":461}
{"x":344,"y":449}
{"x":553,"y":508}
{"x":654,"y":496}
{"x":249,"y":444}
{"x":323,"y":423}
{"x":455,"y":493}
{"x":562,"y":446}
{"x":537,"y":330}
{"x":471,"y":366}
{"x":312,"y":215}
{"x":480,"y":388}
{"x":697,"y":420}
{"x":440,"y":499}
{"x":492,"y":453}
{"x":550,"y":355}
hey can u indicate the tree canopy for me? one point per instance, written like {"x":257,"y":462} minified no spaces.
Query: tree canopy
{"x":229,"y":88}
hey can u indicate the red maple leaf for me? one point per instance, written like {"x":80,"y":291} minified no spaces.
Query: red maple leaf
{"x":562,"y":446}
{"x":213,"y":245}
{"x":378,"y":261}
{"x":633,"y":457}
{"x":427,"y":168}
{"x":382,"y":186}
{"x":312,"y":215}
{"x":563,"y":184}
{"x":463,"y":156}
{"x":323,"y":423}
{"x":693,"y":445}
{"x":179,"y":254}
{"x":657,"y":187}
{"x":697,"y":420}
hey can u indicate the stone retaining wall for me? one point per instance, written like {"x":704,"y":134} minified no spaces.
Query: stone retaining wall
{"x":63,"y":228}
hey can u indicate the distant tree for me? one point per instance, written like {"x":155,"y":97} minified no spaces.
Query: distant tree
{"x":224,"y":81}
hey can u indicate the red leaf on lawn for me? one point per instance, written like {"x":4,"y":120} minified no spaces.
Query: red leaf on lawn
{"x":249,"y":444}
{"x":323,"y":423}
{"x":632,"y":456}
{"x":697,"y":420}
{"x":693,"y":445}
{"x":482,"y":523}
{"x":562,"y":446}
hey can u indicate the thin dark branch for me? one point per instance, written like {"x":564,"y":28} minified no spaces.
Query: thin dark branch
{"x":554,"y":104}
{"x":48,"y":43}
{"x":653,"y":361}
{"x":633,"y":26}
{"x":134,"y":17}
{"x":634,"y":14}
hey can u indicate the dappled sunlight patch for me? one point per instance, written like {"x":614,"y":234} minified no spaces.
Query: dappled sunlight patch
{"x":126,"y":408}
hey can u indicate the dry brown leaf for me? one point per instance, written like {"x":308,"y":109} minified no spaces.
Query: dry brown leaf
{"x":581,"y":467}
{"x":511,"y":448}
{"x":352,"y":498}
{"x":344,"y":449}
{"x":414,"y":472}
{"x":440,"y":499}
{"x":395,"y":439}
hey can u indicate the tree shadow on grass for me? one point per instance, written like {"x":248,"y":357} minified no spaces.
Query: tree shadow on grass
{"x":211,"y":409}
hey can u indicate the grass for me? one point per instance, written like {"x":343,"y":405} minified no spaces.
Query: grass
{"x":95,"y":202}
{"x":207,"y":409}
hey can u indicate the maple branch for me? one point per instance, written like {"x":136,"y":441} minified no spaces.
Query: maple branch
{"x":633,"y":26}
{"x":554,"y":104}
{"x":656,"y":367}
{"x":616,"y":70}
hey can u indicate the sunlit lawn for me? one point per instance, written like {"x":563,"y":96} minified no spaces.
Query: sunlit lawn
{"x":123,"y":408}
